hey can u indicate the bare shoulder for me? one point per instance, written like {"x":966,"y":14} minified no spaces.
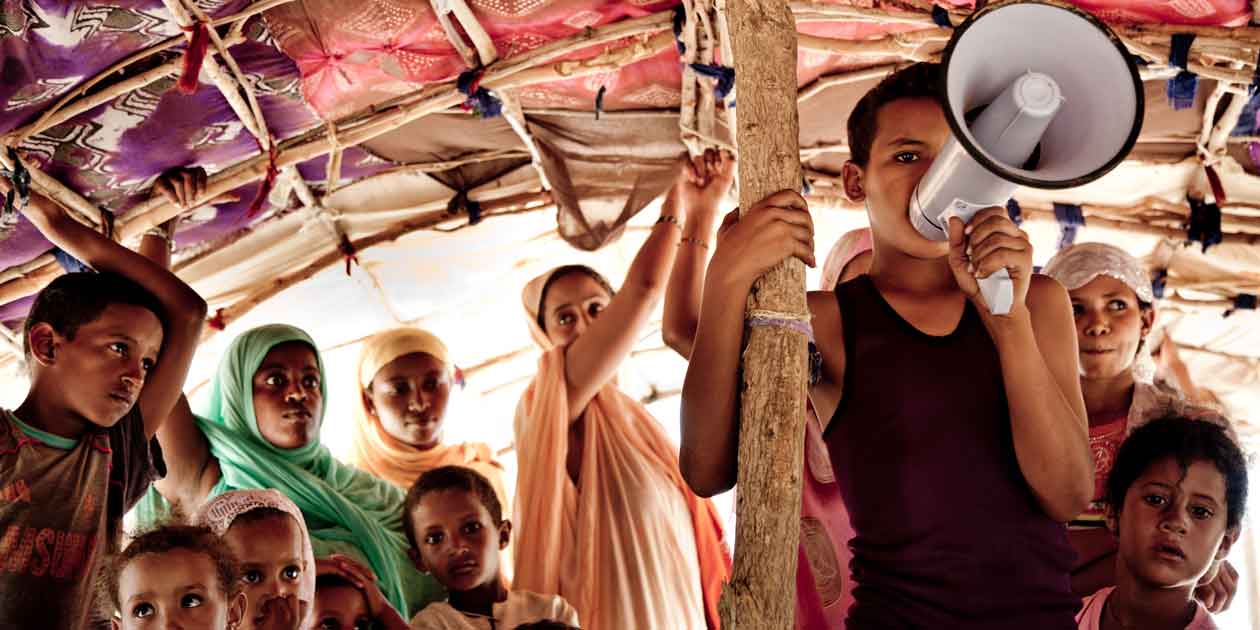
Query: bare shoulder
{"x":824,"y":311}
{"x":1048,"y":301}
{"x":829,"y":339}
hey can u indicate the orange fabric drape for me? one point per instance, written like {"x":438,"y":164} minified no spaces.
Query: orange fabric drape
{"x":591,"y":544}
{"x":379,"y":453}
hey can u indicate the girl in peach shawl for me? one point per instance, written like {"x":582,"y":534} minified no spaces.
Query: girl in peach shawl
{"x":404,"y":380}
{"x":604,"y":517}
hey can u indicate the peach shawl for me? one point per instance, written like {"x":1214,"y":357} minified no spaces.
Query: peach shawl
{"x":630,"y":546}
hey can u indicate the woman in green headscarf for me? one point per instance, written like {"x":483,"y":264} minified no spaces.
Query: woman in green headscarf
{"x":260,"y":429}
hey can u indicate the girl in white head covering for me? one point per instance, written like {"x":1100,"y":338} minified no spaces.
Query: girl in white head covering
{"x":1114,"y":308}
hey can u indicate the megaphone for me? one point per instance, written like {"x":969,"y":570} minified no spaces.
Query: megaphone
{"x":1062,"y":106}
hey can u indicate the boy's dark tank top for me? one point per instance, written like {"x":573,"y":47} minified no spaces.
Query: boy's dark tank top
{"x":948,"y":533}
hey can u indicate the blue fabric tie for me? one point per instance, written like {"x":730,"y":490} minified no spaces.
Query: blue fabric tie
{"x":1244,"y":302}
{"x":1205,"y":223}
{"x":1183,"y":87}
{"x":680,"y":20}
{"x":69,"y":263}
{"x":725,"y":76}
{"x":1070,"y":219}
{"x":599,"y":100}
{"x":1159,"y":283}
{"x":1014,"y":211}
{"x":480,"y":100}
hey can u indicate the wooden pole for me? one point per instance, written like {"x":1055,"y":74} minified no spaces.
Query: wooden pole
{"x":762,"y":592}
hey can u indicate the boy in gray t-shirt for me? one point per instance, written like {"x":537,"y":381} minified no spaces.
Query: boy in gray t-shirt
{"x":108,"y":354}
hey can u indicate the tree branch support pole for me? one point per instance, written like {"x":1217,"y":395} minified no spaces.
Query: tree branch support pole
{"x":762,"y":592}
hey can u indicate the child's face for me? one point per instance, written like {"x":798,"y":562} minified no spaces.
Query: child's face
{"x":409,"y":396}
{"x":459,"y":543}
{"x":1173,"y":525}
{"x":175,"y":589}
{"x":271,"y":554}
{"x":909,"y":133}
{"x":572,"y":303}
{"x":1110,"y":325}
{"x":103,"y":369}
{"x":288,"y":402}
{"x":341,"y":608}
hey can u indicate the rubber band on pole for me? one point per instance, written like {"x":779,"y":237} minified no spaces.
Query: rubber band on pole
{"x":774,"y":319}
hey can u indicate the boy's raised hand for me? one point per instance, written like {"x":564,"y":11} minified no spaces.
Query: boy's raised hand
{"x":989,"y":243}
{"x":184,"y":310}
{"x":778,"y":227}
{"x":705,"y":179}
{"x":182,"y":186}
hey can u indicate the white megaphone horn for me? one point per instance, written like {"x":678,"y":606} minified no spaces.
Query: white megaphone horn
{"x":1062,"y":106}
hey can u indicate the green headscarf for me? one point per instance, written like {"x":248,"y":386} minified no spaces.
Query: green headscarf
{"x":340,"y":503}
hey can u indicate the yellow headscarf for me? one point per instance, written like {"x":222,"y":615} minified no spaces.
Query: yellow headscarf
{"x":376,"y":451}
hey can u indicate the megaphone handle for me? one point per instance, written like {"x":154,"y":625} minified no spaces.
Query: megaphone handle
{"x":999,"y":291}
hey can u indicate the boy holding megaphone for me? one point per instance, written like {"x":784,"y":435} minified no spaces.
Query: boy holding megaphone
{"x":956,"y":428}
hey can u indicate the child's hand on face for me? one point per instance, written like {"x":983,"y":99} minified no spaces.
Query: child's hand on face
{"x":346,"y":567}
{"x":778,"y":227}
{"x":360,"y":576}
{"x":281,"y":613}
{"x":1216,"y":589}
{"x":989,"y":243}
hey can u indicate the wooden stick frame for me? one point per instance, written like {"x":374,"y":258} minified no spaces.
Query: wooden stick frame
{"x":1225,"y":54}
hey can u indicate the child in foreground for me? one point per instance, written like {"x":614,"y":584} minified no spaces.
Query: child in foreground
{"x":456,"y":528}
{"x":108,"y":354}
{"x":1176,"y":498}
{"x":174,"y":577}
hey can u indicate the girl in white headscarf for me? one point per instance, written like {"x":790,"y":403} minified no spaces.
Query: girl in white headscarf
{"x":1114,"y":308}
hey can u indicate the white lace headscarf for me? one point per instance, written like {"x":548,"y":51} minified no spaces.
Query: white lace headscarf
{"x":220,"y":512}
{"x":1080,"y":264}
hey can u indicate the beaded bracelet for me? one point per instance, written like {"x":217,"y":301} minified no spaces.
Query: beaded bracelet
{"x":158,"y":232}
{"x":694,"y":241}
{"x":669,"y":218}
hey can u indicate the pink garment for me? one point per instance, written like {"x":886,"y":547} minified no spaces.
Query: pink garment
{"x":355,"y":54}
{"x":1201,"y":12}
{"x":850,"y":245}
{"x":1090,"y":617}
{"x":824,"y":586}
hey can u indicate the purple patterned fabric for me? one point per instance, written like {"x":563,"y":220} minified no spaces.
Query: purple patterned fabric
{"x":113,"y":153}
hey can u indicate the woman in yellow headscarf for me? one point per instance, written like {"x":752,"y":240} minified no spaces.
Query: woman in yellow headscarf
{"x":405,"y":378}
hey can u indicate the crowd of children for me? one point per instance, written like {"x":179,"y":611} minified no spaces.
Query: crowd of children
{"x":961,"y":469}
